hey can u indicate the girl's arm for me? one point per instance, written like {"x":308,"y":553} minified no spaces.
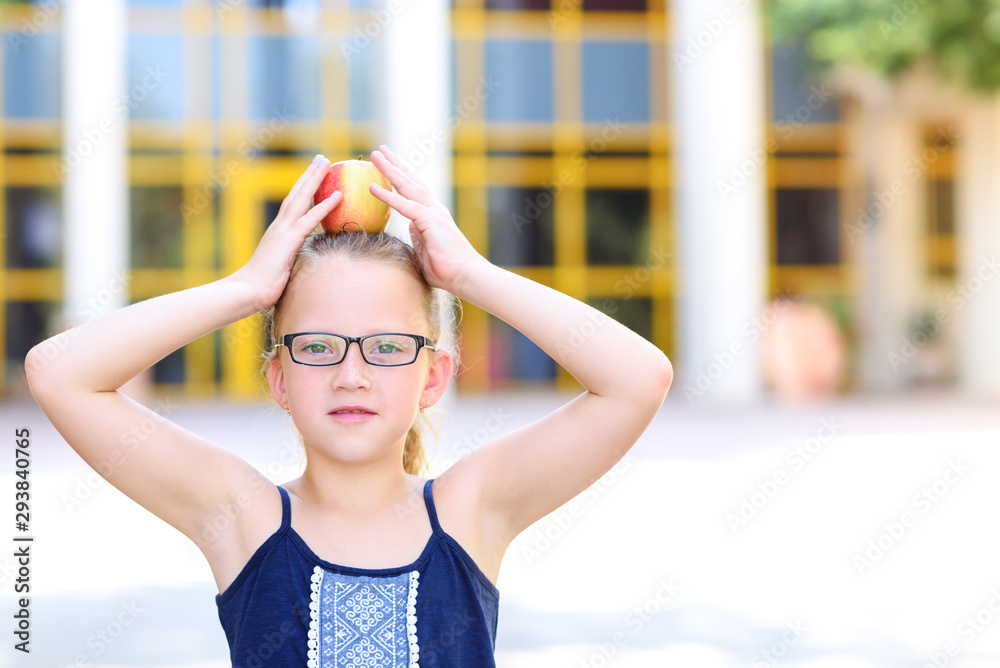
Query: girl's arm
{"x":528,"y":473}
{"x":75,"y":377}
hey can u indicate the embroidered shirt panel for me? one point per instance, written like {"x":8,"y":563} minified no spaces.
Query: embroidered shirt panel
{"x":358,"y":621}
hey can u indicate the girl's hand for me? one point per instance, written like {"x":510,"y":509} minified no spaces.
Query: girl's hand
{"x":267,"y":271}
{"x":444,"y":252}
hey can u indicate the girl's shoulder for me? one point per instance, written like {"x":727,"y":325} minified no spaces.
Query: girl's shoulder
{"x":456,"y":499}
{"x":234,"y":533}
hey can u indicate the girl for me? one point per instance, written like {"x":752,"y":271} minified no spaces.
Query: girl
{"x":360,"y":561}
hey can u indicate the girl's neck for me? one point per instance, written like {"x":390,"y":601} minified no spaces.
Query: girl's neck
{"x":353,"y":489}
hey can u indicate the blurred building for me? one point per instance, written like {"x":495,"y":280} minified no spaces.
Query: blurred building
{"x":560,"y":142}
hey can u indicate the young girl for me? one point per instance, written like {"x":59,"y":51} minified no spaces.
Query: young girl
{"x":360,"y":561}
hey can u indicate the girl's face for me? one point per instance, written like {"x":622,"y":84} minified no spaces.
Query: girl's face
{"x":355,"y":298}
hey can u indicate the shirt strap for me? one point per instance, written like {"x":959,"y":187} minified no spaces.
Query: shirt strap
{"x":286,"y":508}
{"x":431,"y":511}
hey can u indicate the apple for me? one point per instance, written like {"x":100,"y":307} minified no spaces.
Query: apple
{"x":359,"y":211}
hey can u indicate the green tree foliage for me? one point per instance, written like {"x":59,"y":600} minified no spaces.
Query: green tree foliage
{"x":960,"y":38}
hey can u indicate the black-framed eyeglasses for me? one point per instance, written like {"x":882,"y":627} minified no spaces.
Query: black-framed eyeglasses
{"x":324,"y":349}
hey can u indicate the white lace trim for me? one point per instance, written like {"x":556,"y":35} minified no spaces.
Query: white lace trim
{"x":411,"y":620}
{"x":315,"y":585}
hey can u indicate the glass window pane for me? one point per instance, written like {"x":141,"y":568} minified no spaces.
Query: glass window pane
{"x":170,"y":370}
{"x":798,"y":97}
{"x":515,"y":356}
{"x":617,"y":226}
{"x":27,"y":324}
{"x":941,"y":228}
{"x":284,"y":77}
{"x":216,"y":74}
{"x":364,"y":67}
{"x":614,"y":5}
{"x":521,"y":227}
{"x":518,"y":83}
{"x":615,"y":81}
{"x":539,"y":5}
{"x":636,"y":313}
{"x":34,"y":227}
{"x":807,"y":226}
{"x":31,"y":71}
{"x":156,"y":227}
{"x":155,"y":77}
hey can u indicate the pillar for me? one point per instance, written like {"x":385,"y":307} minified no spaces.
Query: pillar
{"x":717,"y":62}
{"x":93,"y":167}
{"x":975,"y":301}
{"x":417,"y":101}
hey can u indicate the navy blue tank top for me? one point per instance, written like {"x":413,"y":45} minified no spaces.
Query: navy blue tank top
{"x":288,"y":607}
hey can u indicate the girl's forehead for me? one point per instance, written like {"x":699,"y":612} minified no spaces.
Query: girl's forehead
{"x":353,"y":294}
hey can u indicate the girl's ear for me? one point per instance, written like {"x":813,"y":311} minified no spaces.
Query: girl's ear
{"x":276,"y":381}
{"x":438,"y":378}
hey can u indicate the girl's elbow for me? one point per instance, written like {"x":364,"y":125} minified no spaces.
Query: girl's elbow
{"x":38,"y":368}
{"x":664,"y":377}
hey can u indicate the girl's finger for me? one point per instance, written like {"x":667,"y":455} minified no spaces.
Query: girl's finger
{"x":402,"y":166}
{"x":298,"y":184}
{"x":401,"y":181}
{"x":319,"y":212}
{"x":403,"y":205}
{"x":301,"y":195}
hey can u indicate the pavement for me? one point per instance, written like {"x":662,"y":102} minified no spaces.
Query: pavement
{"x":856,"y":532}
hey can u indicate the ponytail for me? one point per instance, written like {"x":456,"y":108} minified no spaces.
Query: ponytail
{"x":414,"y":454}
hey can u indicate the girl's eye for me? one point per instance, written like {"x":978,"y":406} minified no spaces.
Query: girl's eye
{"x":387,"y":347}
{"x":316,"y":348}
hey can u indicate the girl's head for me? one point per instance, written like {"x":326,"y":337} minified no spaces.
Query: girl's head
{"x":355,"y":284}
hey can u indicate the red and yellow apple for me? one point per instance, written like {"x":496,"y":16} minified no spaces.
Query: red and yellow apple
{"x":359,"y":211}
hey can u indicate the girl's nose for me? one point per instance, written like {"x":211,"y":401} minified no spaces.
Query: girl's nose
{"x":353,"y":371}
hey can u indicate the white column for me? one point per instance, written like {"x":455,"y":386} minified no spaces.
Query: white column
{"x":417,"y":95}
{"x":975,"y":301}
{"x":93,"y":167}
{"x":885,"y":239}
{"x":717,"y":63}
{"x":417,"y":99}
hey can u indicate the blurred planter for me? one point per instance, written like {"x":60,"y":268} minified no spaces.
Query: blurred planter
{"x":803,"y":352}
{"x":933,"y":362}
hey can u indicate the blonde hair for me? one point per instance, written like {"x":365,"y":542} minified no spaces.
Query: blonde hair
{"x":441,"y":308}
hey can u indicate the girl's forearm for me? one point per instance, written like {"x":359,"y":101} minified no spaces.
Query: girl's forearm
{"x":605,"y":356}
{"x":104,"y":354}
